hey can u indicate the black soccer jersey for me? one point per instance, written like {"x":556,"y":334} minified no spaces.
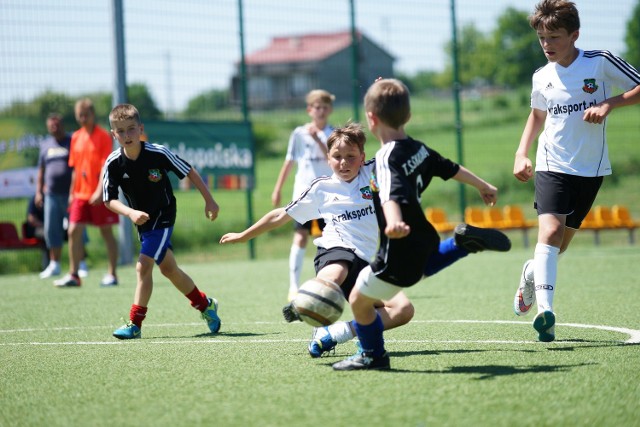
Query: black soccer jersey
{"x":145,"y":182}
{"x":403,"y":171}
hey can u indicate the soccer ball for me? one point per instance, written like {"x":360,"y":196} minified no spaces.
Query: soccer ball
{"x":319,"y":302}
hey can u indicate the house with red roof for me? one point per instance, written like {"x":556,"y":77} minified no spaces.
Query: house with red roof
{"x":281,"y":74}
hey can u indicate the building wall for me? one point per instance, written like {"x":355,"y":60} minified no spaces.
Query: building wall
{"x":285,"y":85}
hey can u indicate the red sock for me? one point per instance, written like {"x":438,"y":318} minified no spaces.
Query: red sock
{"x":198,"y":299}
{"x":137,"y":314}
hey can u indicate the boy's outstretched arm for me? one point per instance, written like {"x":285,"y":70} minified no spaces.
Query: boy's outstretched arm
{"x":488,"y":192}
{"x":211,"y":208}
{"x":269,"y":221}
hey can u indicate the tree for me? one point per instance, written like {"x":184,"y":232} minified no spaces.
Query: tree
{"x":475,"y":58}
{"x":138,"y":95}
{"x":632,"y":38}
{"x":419,"y":82}
{"x":517,"y":49}
{"x":206,"y":102}
{"x":507,"y":56}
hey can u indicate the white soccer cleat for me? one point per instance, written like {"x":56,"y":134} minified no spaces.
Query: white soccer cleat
{"x":525,"y":295}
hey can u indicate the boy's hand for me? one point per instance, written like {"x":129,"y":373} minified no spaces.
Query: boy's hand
{"x":489,"y":194}
{"x":597,"y":113}
{"x":95,"y":199}
{"x":397,"y":230}
{"x":312,"y":129}
{"x":523,"y":168}
{"x":211,"y":210}
{"x":138,"y":217}
{"x":231,"y":238}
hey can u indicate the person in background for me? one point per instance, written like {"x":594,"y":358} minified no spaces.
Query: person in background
{"x":52,"y":192}
{"x":34,"y":228}
{"x":90,"y":147}
{"x":308,"y":149}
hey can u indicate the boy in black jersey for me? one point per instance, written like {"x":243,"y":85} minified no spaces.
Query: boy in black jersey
{"x":404,"y":168}
{"x":140,"y":169}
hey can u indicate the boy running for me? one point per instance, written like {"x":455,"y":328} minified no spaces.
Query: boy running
{"x":571,"y":97}
{"x":141,"y":170}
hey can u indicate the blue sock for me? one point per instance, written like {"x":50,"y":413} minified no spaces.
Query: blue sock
{"x":447,"y":254}
{"x":370,"y":336}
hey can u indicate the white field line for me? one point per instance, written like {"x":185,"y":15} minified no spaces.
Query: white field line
{"x":634,"y":335}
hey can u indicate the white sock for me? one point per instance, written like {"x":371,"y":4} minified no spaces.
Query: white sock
{"x":341,"y":332}
{"x":546,"y":271}
{"x":296,"y":256}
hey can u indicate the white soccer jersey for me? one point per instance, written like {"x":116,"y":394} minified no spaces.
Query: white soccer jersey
{"x":311,"y":161}
{"x":347,"y":210}
{"x":568,"y":144}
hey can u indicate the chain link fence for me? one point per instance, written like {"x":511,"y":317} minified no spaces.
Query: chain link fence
{"x":183,"y":63}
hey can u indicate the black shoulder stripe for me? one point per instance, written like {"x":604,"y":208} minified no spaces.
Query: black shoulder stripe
{"x":626,"y":68}
{"x":305,"y":192}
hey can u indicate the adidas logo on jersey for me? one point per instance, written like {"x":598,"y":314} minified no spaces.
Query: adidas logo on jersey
{"x":549,"y":86}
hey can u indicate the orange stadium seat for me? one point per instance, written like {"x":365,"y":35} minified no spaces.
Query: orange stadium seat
{"x":438,"y":218}
{"x":514,"y":219}
{"x":622,"y":219}
{"x":474,"y":216}
{"x":493,"y":218}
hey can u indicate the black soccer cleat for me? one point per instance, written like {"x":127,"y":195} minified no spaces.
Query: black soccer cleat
{"x":476,"y":239}
{"x":290,"y":314}
{"x":363,"y":361}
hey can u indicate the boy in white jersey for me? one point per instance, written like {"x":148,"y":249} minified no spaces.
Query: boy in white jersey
{"x":350,"y":238}
{"x":571,"y":98}
{"x":308,"y":149}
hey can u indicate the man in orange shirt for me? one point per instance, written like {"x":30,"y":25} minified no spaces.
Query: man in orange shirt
{"x":90,"y":147}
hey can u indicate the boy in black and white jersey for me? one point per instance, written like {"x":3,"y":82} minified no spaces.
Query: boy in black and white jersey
{"x":571,"y":97}
{"x":350,"y":238}
{"x":404,"y":169}
{"x":141,"y":170}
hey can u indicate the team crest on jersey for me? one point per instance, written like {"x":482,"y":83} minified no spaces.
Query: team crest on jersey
{"x":590,"y":86}
{"x":373,"y":183}
{"x":154,"y":175}
{"x":366,"y":193}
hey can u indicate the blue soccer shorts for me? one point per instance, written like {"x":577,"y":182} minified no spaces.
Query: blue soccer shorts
{"x":155,"y":243}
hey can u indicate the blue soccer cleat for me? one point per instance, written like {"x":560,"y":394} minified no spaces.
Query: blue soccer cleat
{"x":128,"y":332}
{"x":210,"y":315}
{"x":321,"y":342}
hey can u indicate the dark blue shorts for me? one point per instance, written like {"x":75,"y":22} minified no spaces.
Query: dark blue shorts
{"x":155,"y":243}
